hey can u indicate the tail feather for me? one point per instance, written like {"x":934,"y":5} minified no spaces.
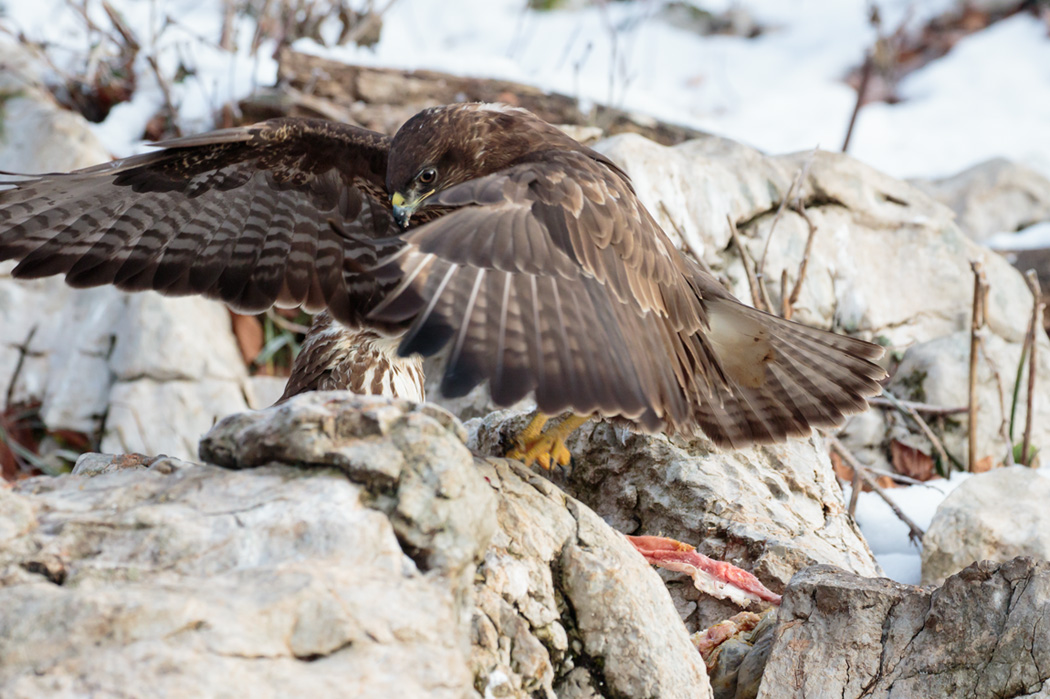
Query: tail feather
{"x":784,"y":378}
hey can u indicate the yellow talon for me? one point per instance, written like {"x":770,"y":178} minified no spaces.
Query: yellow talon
{"x":547,"y":448}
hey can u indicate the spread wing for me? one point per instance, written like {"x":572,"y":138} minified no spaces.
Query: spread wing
{"x":240,"y":215}
{"x":550,"y":277}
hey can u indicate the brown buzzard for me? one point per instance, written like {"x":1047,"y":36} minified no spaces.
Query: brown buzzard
{"x":530,"y":264}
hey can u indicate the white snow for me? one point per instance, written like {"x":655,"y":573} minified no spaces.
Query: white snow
{"x":1033,"y":237}
{"x":782,"y":91}
{"x":174,"y":32}
{"x":888,"y":536}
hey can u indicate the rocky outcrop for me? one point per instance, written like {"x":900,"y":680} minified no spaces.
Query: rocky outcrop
{"x":984,"y":633}
{"x":770,"y":510}
{"x":994,"y":516}
{"x":996,"y":196}
{"x":349,"y":542}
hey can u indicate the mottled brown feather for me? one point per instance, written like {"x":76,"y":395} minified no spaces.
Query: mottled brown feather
{"x":240,"y":215}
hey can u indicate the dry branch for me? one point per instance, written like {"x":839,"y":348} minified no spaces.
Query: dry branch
{"x":915,"y":533}
{"x":942,"y":453}
{"x":796,"y":184}
{"x":681,"y":236}
{"x":757,"y":297}
{"x":926,"y":408}
{"x":797,"y":290}
{"x":862,"y":91}
{"x":785,"y":304}
{"x":976,"y":326}
{"x":1037,"y":313}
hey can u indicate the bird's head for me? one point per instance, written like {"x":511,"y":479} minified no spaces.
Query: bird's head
{"x":444,"y":146}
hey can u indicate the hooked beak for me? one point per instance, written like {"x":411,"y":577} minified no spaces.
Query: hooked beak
{"x":403,"y":209}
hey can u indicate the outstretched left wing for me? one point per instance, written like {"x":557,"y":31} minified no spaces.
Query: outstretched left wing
{"x":240,"y":215}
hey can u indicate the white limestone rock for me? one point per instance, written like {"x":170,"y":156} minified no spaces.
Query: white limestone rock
{"x":996,"y":196}
{"x":352,"y":546}
{"x":993,"y":516}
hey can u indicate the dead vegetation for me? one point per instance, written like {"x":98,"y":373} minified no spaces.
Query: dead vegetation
{"x":899,"y":51}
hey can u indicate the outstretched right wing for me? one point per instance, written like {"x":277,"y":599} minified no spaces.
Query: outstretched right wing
{"x":241,"y":215}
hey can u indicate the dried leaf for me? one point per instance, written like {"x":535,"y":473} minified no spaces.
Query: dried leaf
{"x":986,"y":463}
{"x":909,"y":461}
{"x":17,"y":436}
{"x":842,"y":471}
{"x":845,"y":473}
{"x":249,"y":333}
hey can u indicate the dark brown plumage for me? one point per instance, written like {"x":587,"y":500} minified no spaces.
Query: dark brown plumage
{"x":531,"y":264}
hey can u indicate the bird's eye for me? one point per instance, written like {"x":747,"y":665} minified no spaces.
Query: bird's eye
{"x":427,"y":176}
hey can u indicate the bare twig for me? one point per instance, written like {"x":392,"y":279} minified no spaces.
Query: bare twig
{"x":681,"y":236}
{"x":285,"y":324}
{"x":229,"y":21}
{"x":862,"y":91}
{"x":757,"y":297}
{"x":942,"y":453}
{"x":797,"y":290}
{"x":785,"y":305}
{"x":123,"y":29}
{"x":976,"y":326}
{"x":796,"y":184}
{"x":366,"y":24}
{"x":992,"y":367}
{"x":1029,"y":338}
{"x":1037,"y":314}
{"x":915,"y":533}
{"x":899,"y":477}
{"x":856,"y":485}
{"x":132,"y":42}
{"x":926,"y":408}
{"x":165,"y":90}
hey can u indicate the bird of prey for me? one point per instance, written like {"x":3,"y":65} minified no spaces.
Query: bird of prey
{"x":480,"y":232}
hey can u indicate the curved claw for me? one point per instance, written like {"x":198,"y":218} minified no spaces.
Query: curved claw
{"x":546,"y":448}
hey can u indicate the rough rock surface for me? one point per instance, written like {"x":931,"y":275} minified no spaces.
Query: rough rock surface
{"x":129,"y":368}
{"x":359,"y":550}
{"x":996,"y":196}
{"x":770,"y":510}
{"x":984,"y":633}
{"x":993,"y":516}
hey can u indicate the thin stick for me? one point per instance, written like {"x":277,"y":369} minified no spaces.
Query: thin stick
{"x":977,"y":323}
{"x":942,"y":453}
{"x":1037,"y":312}
{"x":880,"y":402}
{"x":1029,"y":337}
{"x":797,"y":291}
{"x":862,"y":91}
{"x":915,"y":533}
{"x":285,"y":324}
{"x":681,"y":236}
{"x":856,"y":485}
{"x":785,"y":303}
{"x":899,"y":477}
{"x":757,"y":298}
{"x":784,"y":203}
